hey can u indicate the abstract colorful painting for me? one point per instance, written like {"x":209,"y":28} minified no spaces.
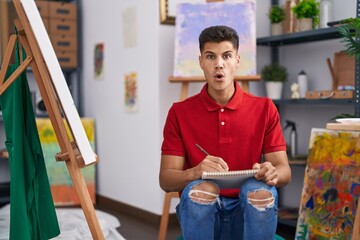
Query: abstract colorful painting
{"x":61,"y":184}
{"x":191,"y":19}
{"x":131,"y":97}
{"x":331,"y":186}
{"x":99,"y":61}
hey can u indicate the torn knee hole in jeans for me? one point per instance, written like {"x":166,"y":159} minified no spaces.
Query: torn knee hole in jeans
{"x":262,"y":202}
{"x":194,"y":195}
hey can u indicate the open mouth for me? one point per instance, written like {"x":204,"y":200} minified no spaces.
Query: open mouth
{"x":218,"y":76}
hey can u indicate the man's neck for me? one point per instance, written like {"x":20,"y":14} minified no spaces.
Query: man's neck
{"x":222,"y":97}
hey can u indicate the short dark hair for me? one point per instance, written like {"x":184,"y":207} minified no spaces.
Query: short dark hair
{"x":218,"y":34}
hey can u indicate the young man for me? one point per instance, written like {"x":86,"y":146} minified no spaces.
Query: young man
{"x":236,"y":129}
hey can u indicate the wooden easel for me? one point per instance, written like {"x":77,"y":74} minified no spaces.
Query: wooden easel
{"x":350,"y":127}
{"x":69,"y":150}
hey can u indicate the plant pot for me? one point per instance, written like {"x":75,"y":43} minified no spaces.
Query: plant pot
{"x":276,"y":29}
{"x":274,"y":89}
{"x":305,"y":24}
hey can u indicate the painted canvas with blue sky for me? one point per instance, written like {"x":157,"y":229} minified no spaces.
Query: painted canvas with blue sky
{"x":191,"y":19}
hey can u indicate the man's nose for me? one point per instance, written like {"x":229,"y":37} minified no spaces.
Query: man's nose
{"x":219,"y":63}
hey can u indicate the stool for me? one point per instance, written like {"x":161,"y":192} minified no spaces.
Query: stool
{"x":165,"y":214}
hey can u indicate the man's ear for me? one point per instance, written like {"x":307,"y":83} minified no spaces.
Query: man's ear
{"x":238,"y":59}
{"x":200,"y":62}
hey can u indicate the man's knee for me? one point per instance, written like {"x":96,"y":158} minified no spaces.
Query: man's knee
{"x":261,"y":199}
{"x":205,"y":192}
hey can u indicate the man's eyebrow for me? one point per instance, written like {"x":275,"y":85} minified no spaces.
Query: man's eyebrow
{"x":230,"y":51}
{"x":209,"y":52}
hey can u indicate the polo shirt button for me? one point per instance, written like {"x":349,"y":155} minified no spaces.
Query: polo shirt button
{"x":222,"y":123}
{"x":222,"y":110}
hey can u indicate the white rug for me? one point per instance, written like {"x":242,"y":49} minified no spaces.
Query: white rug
{"x":73,"y":225}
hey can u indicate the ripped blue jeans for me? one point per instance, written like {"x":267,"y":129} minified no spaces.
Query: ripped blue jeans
{"x":222,"y":218}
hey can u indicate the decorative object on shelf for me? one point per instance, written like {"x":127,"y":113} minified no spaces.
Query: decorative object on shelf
{"x":295,"y":91}
{"x":290,"y":22}
{"x":326,"y":12}
{"x":307,"y":12}
{"x":276,"y":16}
{"x":343,"y":79}
{"x":303,"y":83}
{"x":274,"y":76}
{"x":293,"y":138}
{"x":349,"y":32}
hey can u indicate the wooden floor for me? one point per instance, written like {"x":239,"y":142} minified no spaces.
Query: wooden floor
{"x":133,"y":228}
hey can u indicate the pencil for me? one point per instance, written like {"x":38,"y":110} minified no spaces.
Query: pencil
{"x":201,"y":149}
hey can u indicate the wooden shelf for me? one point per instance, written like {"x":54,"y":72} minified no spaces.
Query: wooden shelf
{"x":202,"y":78}
{"x":297,"y":162}
{"x":299,"y":37}
{"x":314,"y":101}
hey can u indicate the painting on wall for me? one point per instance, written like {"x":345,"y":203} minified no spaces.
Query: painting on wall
{"x":331,"y":186}
{"x":131,"y":96}
{"x":191,"y":19}
{"x":99,"y":61}
{"x":61,"y":184}
{"x":130,"y":27}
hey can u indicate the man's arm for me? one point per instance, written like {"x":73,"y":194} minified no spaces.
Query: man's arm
{"x":173,"y":178}
{"x":275,"y":170}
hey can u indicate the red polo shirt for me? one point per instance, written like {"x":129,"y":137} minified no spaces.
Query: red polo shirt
{"x":240,"y":132}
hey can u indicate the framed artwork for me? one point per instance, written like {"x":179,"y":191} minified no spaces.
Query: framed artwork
{"x":331,"y":187}
{"x":168,"y":10}
{"x":193,"y":18}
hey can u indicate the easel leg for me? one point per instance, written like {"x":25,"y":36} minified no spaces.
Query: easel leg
{"x":85,"y":199}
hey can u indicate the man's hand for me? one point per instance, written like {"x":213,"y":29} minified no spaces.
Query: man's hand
{"x":211,"y":164}
{"x":267,"y":173}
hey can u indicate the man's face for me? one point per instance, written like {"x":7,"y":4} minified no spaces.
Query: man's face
{"x":219,"y":62}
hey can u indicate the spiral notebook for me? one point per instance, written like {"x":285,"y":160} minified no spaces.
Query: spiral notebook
{"x":230,"y":179}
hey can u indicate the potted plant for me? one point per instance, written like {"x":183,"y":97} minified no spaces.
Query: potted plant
{"x":348,"y":33}
{"x":276,"y":16}
{"x":307,"y":13}
{"x":274,"y":76}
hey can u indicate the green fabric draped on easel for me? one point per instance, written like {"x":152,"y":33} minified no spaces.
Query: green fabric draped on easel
{"x":32,"y":211}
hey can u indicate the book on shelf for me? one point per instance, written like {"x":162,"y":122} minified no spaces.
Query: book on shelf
{"x":230,"y":179}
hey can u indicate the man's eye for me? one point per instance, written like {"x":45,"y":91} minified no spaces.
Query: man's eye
{"x":226,"y":56}
{"x":210,"y":57}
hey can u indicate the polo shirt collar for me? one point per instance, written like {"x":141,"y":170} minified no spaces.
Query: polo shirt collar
{"x":211,"y":105}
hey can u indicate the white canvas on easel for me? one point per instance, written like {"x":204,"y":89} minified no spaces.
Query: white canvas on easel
{"x":58,"y":79}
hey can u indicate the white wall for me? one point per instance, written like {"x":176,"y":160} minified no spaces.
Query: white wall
{"x":128,"y":144}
